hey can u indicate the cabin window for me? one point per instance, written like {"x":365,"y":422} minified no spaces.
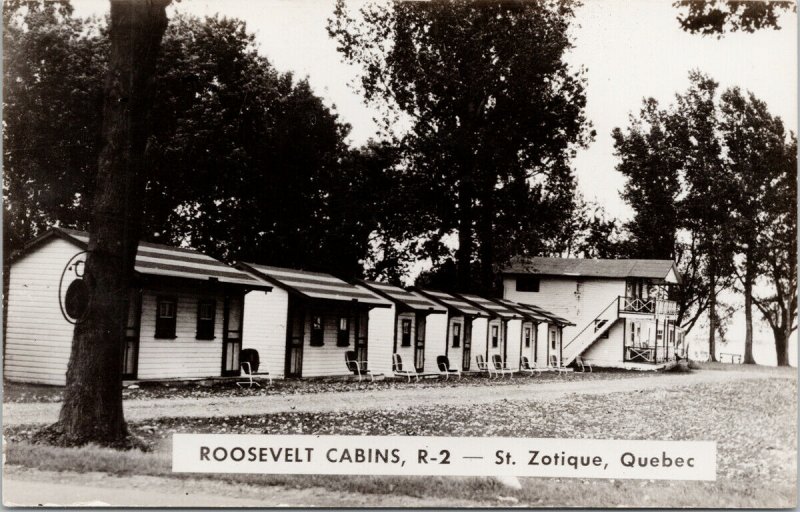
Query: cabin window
{"x":527,"y":337}
{"x":206,"y":310}
{"x":527,"y":284}
{"x":316,"y":331}
{"x":456,"y":335}
{"x":495,"y":334}
{"x":343,"y":334}
{"x":552,"y":339}
{"x":406,"y":331}
{"x":165,"y":317}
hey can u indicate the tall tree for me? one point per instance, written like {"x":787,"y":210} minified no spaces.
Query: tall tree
{"x":92,"y":408}
{"x":779,"y":264}
{"x":649,"y":161}
{"x":681,"y":195}
{"x":709,"y":196}
{"x":755,"y":142}
{"x":488,"y":102}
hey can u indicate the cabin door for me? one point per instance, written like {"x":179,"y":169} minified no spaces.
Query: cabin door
{"x":419,"y":344}
{"x":361,"y":336}
{"x":466,"y":352}
{"x":231,"y":336}
{"x":130,"y":356}
{"x":294,"y":344}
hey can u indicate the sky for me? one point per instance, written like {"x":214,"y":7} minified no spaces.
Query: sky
{"x":631,"y":49}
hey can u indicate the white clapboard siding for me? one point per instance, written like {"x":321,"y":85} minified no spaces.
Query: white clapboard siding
{"x":607,"y":351}
{"x":185,"y":356}
{"x":478,"y":341}
{"x":38,"y":338}
{"x":435,"y":334}
{"x":558,"y":296}
{"x":328,"y":360}
{"x":265,"y":318}
{"x":381,"y":340}
{"x":513,"y":343}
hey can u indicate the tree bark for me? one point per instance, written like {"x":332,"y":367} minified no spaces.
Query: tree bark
{"x":712,"y":319}
{"x":748,"y":309}
{"x":92,"y":410}
{"x":465,"y":231}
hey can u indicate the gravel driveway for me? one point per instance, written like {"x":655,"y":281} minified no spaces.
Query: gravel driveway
{"x":137,"y":410}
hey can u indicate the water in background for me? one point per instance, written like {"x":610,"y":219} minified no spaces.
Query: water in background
{"x":763,"y":349}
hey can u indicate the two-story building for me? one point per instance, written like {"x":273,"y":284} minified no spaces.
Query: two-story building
{"x":620,"y":309}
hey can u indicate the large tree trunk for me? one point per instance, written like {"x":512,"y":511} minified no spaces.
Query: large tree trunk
{"x":712,"y":321}
{"x":465,"y":231}
{"x":782,"y":336}
{"x":486,"y":237}
{"x":92,"y":410}
{"x":748,"y":310}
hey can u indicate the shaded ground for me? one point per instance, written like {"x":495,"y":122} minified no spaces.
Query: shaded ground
{"x":396,"y":398}
{"x":753,"y":422}
{"x":14,"y":392}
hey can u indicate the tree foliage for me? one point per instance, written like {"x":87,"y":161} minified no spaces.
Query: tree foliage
{"x":716,"y":17}
{"x":703,"y":176}
{"x":244,"y":161}
{"x":486,"y":112}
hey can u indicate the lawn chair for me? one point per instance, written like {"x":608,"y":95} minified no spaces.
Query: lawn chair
{"x":500,"y":367}
{"x":525,"y":366}
{"x":583,"y":364}
{"x":443,"y":363}
{"x":397,"y":368}
{"x":483,"y":367}
{"x":554,"y":364}
{"x":247,"y":371}
{"x":357,"y":367}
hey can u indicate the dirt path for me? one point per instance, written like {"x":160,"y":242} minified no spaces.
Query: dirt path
{"x":138,"y":410}
{"x":31,"y":488}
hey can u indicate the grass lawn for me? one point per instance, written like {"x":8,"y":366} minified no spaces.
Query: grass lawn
{"x":754,"y":424}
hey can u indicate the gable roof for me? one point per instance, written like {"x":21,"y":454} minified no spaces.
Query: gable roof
{"x":161,"y":260}
{"x":404,"y":298}
{"x":496,"y":309}
{"x":315,"y":285}
{"x":615,"y":268}
{"x":453,"y":303}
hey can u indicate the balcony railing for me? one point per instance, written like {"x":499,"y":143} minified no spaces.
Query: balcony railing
{"x":647,"y":354}
{"x":648,"y":306}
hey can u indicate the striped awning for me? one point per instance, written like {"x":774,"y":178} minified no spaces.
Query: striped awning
{"x":551,"y":316}
{"x":454,"y":303}
{"x":164,"y":260}
{"x":316,"y":285}
{"x":404,"y":298}
{"x":528,"y":313}
{"x":493,"y":307}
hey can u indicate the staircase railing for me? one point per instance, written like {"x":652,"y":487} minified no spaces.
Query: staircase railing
{"x":614,"y":303}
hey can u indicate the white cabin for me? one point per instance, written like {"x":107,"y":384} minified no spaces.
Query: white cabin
{"x":620,"y":308}
{"x":464,"y":330}
{"x":184,"y":320}
{"x":404,"y":329}
{"x":309,"y":322}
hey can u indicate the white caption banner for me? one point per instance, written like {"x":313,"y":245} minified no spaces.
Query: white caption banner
{"x":454,"y":456}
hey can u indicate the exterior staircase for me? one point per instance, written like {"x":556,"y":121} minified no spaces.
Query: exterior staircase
{"x":620,"y":307}
{"x":590,"y":332}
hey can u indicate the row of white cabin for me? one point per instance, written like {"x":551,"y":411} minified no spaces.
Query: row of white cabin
{"x":191,"y":316}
